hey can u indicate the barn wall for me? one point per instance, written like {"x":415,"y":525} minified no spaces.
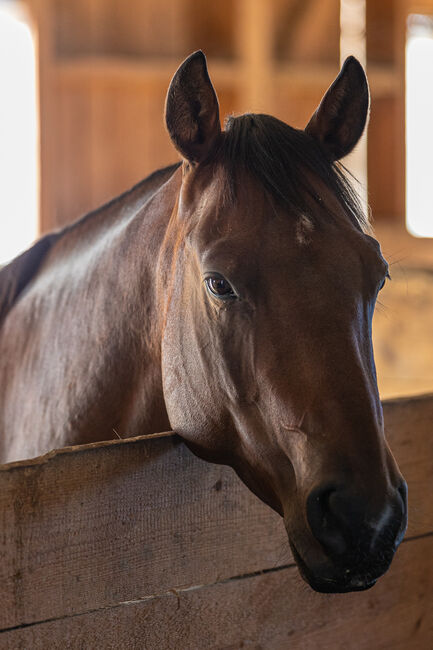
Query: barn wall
{"x":105,"y":66}
{"x":139,"y":544}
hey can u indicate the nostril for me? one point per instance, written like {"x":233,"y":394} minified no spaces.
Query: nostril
{"x":402,"y":490}
{"x":323,"y":522}
{"x":344,"y":521}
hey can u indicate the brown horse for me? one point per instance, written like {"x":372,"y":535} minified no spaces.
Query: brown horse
{"x":230,"y":298}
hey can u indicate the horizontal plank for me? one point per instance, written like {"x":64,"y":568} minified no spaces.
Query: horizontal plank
{"x":273,"y":611}
{"x":109,"y":523}
{"x":408,"y":427}
{"x":74,"y":449}
{"x":383,"y":79}
{"x":91,"y":527}
{"x":142,"y":71}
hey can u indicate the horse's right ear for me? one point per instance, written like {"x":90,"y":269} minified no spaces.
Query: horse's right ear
{"x":340,"y":119}
{"x":191,"y":110}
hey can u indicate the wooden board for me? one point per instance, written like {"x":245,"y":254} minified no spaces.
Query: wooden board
{"x":409,"y":429}
{"x":87,"y":529}
{"x":96,"y":526}
{"x":269,"y":611}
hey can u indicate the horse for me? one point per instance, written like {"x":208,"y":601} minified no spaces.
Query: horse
{"x":228,"y":297}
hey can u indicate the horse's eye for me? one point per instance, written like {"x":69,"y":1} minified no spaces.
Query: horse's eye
{"x":219,"y":287}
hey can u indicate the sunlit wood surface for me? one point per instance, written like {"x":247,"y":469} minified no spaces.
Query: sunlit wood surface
{"x":105,"y":66}
{"x":138,"y":544}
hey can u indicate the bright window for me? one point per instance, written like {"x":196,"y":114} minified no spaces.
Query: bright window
{"x":18,"y":133}
{"x":419,"y":126}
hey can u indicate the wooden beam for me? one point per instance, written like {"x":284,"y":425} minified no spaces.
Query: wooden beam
{"x":272,"y":610}
{"x":90,"y":527}
{"x":255,"y":51}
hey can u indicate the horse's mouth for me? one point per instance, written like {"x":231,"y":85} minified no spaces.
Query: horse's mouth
{"x":339,"y":584}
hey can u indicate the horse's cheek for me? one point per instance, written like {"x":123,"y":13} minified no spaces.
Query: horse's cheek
{"x":193,"y":409}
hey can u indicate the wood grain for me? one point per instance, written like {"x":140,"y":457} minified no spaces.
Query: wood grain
{"x":91,"y":527}
{"x":409,"y":430}
{"x":102,"y":525}
{"x":274,"y":611}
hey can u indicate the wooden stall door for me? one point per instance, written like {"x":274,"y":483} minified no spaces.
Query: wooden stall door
{"x":138,"y":544}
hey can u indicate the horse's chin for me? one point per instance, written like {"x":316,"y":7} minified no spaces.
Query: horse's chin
{"x":339,"y":583}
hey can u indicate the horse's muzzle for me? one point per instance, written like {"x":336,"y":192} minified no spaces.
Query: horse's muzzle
{"x":357,"y":542}
{"x":328,"y":579}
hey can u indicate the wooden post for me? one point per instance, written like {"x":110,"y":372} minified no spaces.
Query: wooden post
{"x":255,"y":50}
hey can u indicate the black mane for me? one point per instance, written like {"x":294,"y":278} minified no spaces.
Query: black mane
{"x":278,"y":156}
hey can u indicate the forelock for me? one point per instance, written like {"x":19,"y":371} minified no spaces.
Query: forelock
{"x":284,"y":161}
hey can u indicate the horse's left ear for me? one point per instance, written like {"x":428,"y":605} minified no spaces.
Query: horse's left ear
{"x":340,"y":119}
{"x":191,"y":110}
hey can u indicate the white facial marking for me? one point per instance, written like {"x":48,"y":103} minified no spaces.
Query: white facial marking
{"x":304,"y":228}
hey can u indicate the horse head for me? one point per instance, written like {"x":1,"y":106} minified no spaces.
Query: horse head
{"x":269,"y":280}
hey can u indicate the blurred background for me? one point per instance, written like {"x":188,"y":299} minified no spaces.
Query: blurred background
{"x":81,"y":119}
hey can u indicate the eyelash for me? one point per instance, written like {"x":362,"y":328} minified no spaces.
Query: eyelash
{"x":387,"y":277}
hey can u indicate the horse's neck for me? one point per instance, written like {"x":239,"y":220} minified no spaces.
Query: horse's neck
{"x":83,"y":338}
{"x":16,"y":276}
